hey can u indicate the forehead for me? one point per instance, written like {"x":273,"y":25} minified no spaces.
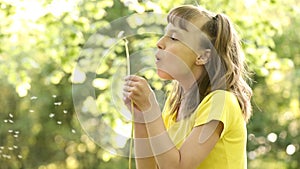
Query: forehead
{"x":189,"y":28}
{"x":172,"y":28}
{"x":192,"y":36}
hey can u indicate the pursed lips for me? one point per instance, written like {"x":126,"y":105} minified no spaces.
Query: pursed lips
{"x":157,"y":57}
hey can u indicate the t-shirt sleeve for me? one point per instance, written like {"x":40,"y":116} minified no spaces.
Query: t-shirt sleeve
{"x":218,"y":105}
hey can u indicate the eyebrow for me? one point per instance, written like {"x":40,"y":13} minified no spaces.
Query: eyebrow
{"x":172,"y":30}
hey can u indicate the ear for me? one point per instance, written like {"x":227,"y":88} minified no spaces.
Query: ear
{"x":203,"y":57}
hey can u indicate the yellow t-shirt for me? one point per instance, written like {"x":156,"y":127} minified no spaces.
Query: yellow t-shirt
{"x":230,"y":150}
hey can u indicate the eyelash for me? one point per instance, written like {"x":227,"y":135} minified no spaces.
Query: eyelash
{"x":174,"y":39}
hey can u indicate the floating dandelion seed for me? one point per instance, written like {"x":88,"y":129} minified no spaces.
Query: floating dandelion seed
{"x":6,"y":156}
{"x":51,"y":115}
{"x":33,"y":98}
{"x":57,"y":103}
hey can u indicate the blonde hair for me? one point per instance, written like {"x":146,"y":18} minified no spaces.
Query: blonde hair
{"x":226,"y":44}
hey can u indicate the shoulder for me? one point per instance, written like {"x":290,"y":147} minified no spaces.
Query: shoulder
{"x":220,"y":95}
{"x":220,"y":99}
{"x":217,"y":105}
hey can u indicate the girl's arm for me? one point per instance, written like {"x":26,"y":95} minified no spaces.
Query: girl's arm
{"x":192,"y":152}
{"x":144,"y":157}
{"x":143,"y":154}
{"x":194,"y":149}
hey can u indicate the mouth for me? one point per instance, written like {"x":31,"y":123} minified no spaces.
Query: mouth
{"x":157,"y":58}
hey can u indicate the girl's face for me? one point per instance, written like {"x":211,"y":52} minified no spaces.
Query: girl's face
{"x":176,"y":56}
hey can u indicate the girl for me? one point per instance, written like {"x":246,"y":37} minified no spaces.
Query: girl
{"x":203,"y":122}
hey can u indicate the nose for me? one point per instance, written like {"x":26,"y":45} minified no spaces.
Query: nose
{"x":160,"y":43}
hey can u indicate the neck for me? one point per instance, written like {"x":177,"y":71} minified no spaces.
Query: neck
{"x":186,"y":86}
{"x":189,"y":80}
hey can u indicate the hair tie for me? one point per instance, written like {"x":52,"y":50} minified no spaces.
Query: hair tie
{"x":215,"y":18}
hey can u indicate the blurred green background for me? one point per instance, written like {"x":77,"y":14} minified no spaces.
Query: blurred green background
{"x":40,"y":45}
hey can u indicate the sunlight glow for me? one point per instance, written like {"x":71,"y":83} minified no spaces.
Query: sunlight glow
{"x":290,"y":149}
{"x":29,"y":10}
{"x":106,"y":156}
{"x":34,"y":9}
{"x":249,"y":3}
{"x":58,"y":7}
{"x":78,"y":76}
{"x":89,"y":105}
{"x":101,"y":83}
{"x":120,"y":141}
{"x":22,"y":89}
{"x":272,"y":137}
{"x":276,"y":76}
{"x":122,"y":128}
{"x":72,"y":162}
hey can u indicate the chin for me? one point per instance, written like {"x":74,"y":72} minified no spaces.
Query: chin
{"x":164,"y":75}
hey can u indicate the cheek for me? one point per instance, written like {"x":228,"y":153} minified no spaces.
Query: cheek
{"x":174,"y":63}
{"x":173,"y":68}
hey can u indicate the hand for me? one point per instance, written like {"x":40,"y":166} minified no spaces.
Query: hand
{"x":138,"y":90}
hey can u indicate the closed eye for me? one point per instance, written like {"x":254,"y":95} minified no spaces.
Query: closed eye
{"x":173,"y":38}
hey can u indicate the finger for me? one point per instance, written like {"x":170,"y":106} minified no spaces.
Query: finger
{"x":132,"y":78}
{"x":132,"y":84}
{"x":127,"y":88}
{"x":127,"y":94}
{"x":126,"y":100}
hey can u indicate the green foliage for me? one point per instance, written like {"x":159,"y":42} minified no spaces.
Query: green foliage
{"x":43,"y":41}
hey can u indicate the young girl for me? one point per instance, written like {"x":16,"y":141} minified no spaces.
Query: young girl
{"x":203,"y":122}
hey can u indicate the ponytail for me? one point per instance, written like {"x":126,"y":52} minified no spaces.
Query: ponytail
{"x":227,"y":45}
{"x":223,"y":35}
